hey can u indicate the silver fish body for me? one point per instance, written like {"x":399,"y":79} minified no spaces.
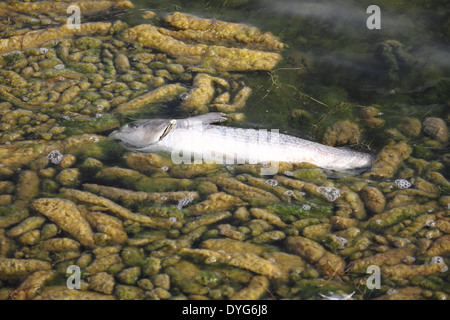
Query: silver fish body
{"x":197,"y":138}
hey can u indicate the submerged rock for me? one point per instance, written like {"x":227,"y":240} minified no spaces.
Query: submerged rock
{"x":66,"y":215}
{"x":436,"y":128}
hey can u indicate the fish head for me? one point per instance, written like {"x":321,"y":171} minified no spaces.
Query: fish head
{"x":143,"y":133}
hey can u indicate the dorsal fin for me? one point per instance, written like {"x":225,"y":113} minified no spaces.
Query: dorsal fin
{"x":208,"y":118}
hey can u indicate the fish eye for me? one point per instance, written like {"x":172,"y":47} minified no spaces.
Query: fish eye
{"x":132,"y":125}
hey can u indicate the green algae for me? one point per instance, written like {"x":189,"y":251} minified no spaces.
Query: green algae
{"x":396,"y":215}
{"x":163,"y":211}
{"x":11,"y":214}
{"x":103,"y":122}
{"x":290,"y":212}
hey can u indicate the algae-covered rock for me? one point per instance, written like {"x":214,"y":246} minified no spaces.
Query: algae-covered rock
{"x":253,"y":195}
{"x":373,"y":199}
{"x":102,"y":282}
{"x":32,"y":285}
{"x":268,"y":216}
{"x":350,"y":204}
{"x":26,"y":225}
{"x":390,"y":257}
{"x":122,"y":212}
{"x":410,"y":127}
{"x":69,"y":177}
{"x":21,"y":267}
{"x":129,"y":276}
{"x":201,"y":94}
{"x":255,"y":290}
{"x":162,"y":94}
{"x":64,"y":293}
{"x":206,"y":30}
{"x":327,"y":262}
{"x":218,"y":57}
{"x":440,"y":247}
{"x":100,"y":123}
{"x":216,"y":202}
{"x":27,"y":188}
{"x":290,"y":212}
{"x":409,"y":271}
{"x":105,"y":257}
{"x":396,"y":215}
{"x":204,"y":220}
{"x":10,"y":215}
{"x":60,"y":244}
{"x":107,"y":225}
{"x":132,"y":256}
{"x":341,"y":133}
{"x":247,"y":261}
{"x":436,"y":128}
{"x":310,"y":175}
{"x":388,"y":160}
{"x":408,"y":293}
{"x":66,"y":215}
{"x":369,"y":116}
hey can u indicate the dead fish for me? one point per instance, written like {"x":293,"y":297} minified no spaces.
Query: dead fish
{"x":199,"y":138}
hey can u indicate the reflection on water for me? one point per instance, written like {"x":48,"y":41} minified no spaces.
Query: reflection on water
{"x":140,"y":227}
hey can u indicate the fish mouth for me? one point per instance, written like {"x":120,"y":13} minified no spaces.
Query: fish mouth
{"x":114,"y":135}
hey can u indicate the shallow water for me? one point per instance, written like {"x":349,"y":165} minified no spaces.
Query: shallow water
{"x":300,"y":234}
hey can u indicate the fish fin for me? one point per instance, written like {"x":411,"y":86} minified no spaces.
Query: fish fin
{"x":208,"y":118}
